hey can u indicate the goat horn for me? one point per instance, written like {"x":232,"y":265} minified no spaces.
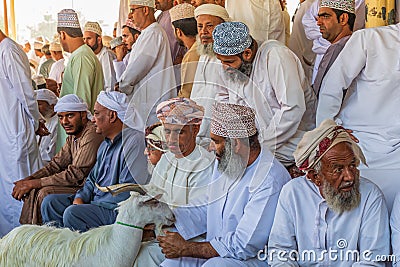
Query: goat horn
{"x":119,"y":188}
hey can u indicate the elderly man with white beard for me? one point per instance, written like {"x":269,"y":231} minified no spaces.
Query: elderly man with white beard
{"x":205,"y":84}
{"x":270,"y":79}
{"x":242,"y":197}
{"x":315,"y":211}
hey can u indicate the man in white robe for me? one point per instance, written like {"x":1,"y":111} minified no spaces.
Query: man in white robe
{"x":92,"y":35}
{"x":395,"y":230}
{"x":206,"y":79}
{"x":149,"y":76}
{"x":263,"y":17}
{"x":47,"y":144}
{"x":370,"y":63}
{"x":242,"y":197}
{"x":19,"y":120}
{"x":271,"y":80}
{"x":58,"y":67}
{"x":331,"y":215}
{"x":183,"y":172}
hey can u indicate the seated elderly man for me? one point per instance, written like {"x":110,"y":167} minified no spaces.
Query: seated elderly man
{"x":270,"y":79}
{"x":331,"y":216}
{"x":243,"y":195}
{"x":183,"y":172}
{"x":47,"y":144}
{"x":155,"y":145}
{"x":120,"y":159}
{"x":67,"y":170}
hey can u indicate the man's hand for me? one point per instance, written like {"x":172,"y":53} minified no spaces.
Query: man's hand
{"x":120,"y":52}
{"x":172,"y":244}
{"x":78,"y":201}
{"x":42,"y":130}
{"x":23,"y":187}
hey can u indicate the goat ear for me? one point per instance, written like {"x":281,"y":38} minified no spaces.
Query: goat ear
{"x":151,"y":201}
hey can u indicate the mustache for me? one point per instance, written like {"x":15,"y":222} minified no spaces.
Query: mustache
{"x":346,"y":184}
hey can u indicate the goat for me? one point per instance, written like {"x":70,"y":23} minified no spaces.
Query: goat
{"x":110,"y":245}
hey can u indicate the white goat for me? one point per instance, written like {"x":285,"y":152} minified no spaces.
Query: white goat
{"x":111,"y":245}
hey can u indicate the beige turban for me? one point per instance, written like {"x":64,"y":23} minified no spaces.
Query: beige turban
{"x":182,"y":111}
{"x":316,"y":143}
{"x":54,"y":46}
{"x":37,"y":45}
{"x":233,"y":121}
{"x":213,"y":10}
{"x":181,"y":11}
{"x":106,"y":41}
{"x":149,"y":3}
{"x":93,"y":27}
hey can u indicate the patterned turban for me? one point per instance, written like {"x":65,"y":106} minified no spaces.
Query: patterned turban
{"x":233,"y":121}
{"x":316,"y":143}
{"x":118,"y":102}
{"x":93,"y":27}
{"x":46,"y":95}
{"x":182,"y":111}
{"x":344,"y":5}
{"x":231,"y":38}
{"x":67,"y":18}
{"x":181,"y":11}
{"x":155,"y":136}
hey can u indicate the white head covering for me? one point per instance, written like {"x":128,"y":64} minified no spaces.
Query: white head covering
{"x":92,"y":26}
{"x":46,"y":95}
{"x":213,"y":10}
{"x":181,"y":111}
{"x":55,"y":46}
{"x":39,"y":79}
{"x":344,"y":5}
{"x":149,"y":3}
{"x":37,"y":45}
{"x":72,"y":103}
{"x":118,"y":102}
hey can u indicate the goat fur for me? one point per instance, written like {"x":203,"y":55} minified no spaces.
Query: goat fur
{"x":109,"y":245}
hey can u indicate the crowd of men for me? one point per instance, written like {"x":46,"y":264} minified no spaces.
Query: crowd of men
{"x":270,"y":151}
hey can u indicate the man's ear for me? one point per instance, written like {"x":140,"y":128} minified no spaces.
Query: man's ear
{"x":113,"y":116}
{"x":178,"y":32}
{"x":314,"y":177}
{"x":343,"y":19}
{"x":63,"y":35}
{"x":247,"y":54}
{"x":135,"y":36}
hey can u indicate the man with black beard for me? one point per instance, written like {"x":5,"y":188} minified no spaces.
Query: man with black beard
{"x":315,"y":211}
{"x":270,"y":79}
{"x":242,"y":197}
{"x":92,"y":36}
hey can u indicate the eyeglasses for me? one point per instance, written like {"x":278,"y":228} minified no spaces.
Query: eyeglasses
{"x":132,"y":10}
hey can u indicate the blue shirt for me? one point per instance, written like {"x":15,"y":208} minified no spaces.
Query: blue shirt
{"x":119,"y":161}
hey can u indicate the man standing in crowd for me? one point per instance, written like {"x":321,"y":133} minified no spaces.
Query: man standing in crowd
{"x":18,"y":122}
{"x":149,"y":77}
{"x":92,"y":35}
{"x":58,"y":66}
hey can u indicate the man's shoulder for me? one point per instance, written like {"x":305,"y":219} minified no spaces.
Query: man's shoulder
{"x":369,"y":190}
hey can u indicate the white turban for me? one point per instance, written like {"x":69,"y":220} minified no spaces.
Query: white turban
{"x":213,"y":10}
{"x":46,"y":95}
{"x":118,"y":102}
{"x":72,"y":103}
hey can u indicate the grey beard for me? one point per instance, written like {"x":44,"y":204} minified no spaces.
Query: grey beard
{"x":150,"y":167}
{"x":240,"y":75}
{"x":204,"y":49}
{"x":345,"y":201}
{"x":231,"y":164}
